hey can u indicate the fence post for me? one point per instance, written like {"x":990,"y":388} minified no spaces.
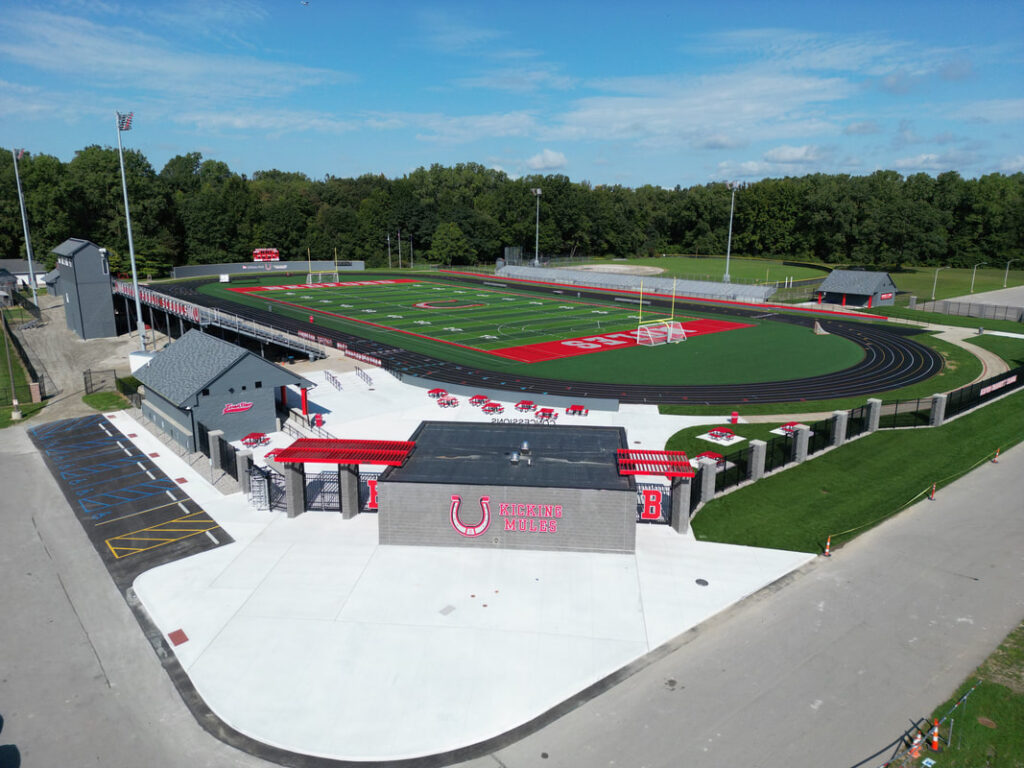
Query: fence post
{"x":800,"y":441}
{"x":295,"y":488}
{"x":682,"y":488}
{"x":874,"y":414}
{"x":758,"y":451}
{"x":348,"y":490}
{"x":706,"y":471}
{"x":243,"y":465}
{"x":215,"y":437}
{"x":938,"y":414}
{"x":840,"y":420}
{"x":912,"y":303}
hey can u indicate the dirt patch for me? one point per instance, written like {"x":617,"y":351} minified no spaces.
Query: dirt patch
{"x":621,"y":269}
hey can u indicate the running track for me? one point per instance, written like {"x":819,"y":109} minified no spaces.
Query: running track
{"x":892,"y":358}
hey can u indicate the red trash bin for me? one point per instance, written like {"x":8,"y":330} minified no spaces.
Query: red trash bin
{"x":735,"y":418}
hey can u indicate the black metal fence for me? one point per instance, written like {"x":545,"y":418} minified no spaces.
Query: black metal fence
{"x":322,"y":492}
{"x":99,"y":380}
{"x":203,"y":438}
{"x":266,"y":489}
{"x":228,"y":458}
{"x":971,"y":396}
{"x":778,"y":453}
{"x":26,"y":303}
{"x":737,"y":470}
{"x":857,"y":422}
{"x":905,"y":413}
{"x":821,"y":436}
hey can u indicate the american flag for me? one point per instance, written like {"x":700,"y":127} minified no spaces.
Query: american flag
{"x":124,"y":122}
{"x":21,"y":153}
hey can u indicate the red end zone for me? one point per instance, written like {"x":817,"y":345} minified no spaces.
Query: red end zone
{"x":585,"y":345}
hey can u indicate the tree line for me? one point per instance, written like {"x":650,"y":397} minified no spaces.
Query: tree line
{"x":197,"y":211}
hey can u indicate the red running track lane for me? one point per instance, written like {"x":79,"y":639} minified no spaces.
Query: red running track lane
{"x":585,"y":345}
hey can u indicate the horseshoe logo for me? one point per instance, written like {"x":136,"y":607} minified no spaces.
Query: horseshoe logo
{"x":471,"y":531}
{"x":445,"y":304}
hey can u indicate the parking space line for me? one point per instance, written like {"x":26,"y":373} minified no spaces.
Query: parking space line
{"x":135,"y":514}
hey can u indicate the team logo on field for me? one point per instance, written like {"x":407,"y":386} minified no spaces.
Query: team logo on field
{"x":446,"y":304}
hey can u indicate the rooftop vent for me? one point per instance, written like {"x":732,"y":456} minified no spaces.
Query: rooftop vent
{"x":525,"y":449}
{"x":514,"y":458}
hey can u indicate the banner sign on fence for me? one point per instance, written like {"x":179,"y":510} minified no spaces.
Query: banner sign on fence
{"x":365,"y":358}
{"x":177,"y":307}
{"x":998,"y":385}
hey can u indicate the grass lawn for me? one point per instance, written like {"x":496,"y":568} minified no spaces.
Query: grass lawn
{"x":21,"y":388}
{"x":954,"y":282}
{"x":854,"y":487}
{"x":27,"y":410}
{"x":937,"y":318}
{"x":960,"y":369}
{"x":1011,"y":350}
{"x":713,"y":268}
{"x":106,"y":401}
{"x":988,"y":727}
{"x":687,"y":439}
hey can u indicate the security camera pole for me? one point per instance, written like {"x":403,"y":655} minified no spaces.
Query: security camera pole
{"x":728,"y":243}
{"x":124,"y":123}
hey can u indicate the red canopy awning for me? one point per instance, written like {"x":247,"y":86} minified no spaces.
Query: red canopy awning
{"x":667,"y":463}
{"x":392,"y":453}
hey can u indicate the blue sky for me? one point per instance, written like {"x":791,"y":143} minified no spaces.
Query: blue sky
{"x":661,"y":93}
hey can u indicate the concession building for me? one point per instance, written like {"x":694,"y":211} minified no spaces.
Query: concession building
{"x":200,"y":381}
{"x":858,"y":288}
{"x":510,"y":486}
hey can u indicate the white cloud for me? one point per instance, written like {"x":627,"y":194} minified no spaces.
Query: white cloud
{"x":931,"y":161}
{"x":548,"y":160}
{"x":718,"y":141}
{"x":435,"y":126}
{"x":1012,"y":164}
{"x":993,"y":110}
{"x":449,"y":35}
{"x":785,"y":155}
{"x":273,"y":122}
{"x":519,"y":80}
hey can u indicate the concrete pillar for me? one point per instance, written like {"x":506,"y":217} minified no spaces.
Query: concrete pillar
{"x":839,"y":421}
{"x":706,"y":472}
{"x":33,"y":389}
{"x":874,"y":413}
{"x":758,"y":453}
{"x":295,"y":488}
{"x":682,"y":487}
{"x":243,"y":464}
{"x":912,"y":304}
{"x":800,"y":442}
{"x":215,"y":436}
{"x":938,"y":414}
{"x":348,"y":490}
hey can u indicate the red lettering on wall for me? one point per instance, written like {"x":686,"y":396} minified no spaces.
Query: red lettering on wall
{"x":471,"y":531}
{"x":652,"y":504}
{"x":371,"y":486}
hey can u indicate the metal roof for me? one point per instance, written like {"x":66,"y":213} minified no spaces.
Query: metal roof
{"x":667,"y":463}
{"x":392,"y":453}
{"x":71,"y":246}
{"x":492,"y":454}
{"x":189,"y":364}
{"x":857,"y":281}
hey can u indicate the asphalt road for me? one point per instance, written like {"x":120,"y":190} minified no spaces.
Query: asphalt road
{"x":833,"y":661}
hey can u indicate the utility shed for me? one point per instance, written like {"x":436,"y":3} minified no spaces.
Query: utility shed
{"x":855,"y":287}
{"x":85,"y":285}
{"x":510,"y":486}
{"x":201,"y":383}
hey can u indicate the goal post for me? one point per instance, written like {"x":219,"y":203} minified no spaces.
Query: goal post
{"x":656,"y":332}
{"x":321,"y":277}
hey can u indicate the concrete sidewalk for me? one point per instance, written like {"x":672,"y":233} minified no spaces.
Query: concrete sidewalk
{"x":307,"y":635}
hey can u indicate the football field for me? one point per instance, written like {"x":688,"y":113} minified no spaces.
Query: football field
{"x":515,"y":326}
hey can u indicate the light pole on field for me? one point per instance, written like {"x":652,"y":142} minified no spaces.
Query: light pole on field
{"x":124,"y":123}
{"x":1007,"y":273}
{"x":536,"y":232}
{"x":728,"y":243}
{"x":935,"y":282}
{"x":975,"y":272}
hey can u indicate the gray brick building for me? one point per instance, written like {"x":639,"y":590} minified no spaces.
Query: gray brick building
{"x":478,"y":485}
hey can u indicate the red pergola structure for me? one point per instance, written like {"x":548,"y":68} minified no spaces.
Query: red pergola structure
{"x":392,"y":453}
{"x":667,"y":463}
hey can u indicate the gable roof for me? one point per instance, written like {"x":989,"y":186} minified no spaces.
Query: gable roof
{"x":71,"y":246}
{"x":857,"y":281}
{"x":188,"y":366}
{"x":16,"y":266}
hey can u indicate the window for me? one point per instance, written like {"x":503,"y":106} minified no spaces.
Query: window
{"x":206,"y":393}
{"x":259,"y":385}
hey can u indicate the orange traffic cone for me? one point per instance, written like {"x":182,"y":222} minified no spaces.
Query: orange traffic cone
{"x":828,"y":546}
{"x":935,"y":736}
{"x":995,"y":459}
{"x":915,"y":748}
{"x":932,"y":497}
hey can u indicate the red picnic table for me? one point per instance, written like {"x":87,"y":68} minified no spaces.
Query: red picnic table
{"x":722,"y":433}
{"x":437,"y":393}
{"x":255,"y":438}
{"x":718,"y":458}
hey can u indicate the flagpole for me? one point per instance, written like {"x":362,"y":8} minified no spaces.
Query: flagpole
{"x":128,"y":219}
{"x":24,"y":224}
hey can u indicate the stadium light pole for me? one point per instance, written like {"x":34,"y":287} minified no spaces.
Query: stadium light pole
{"x":1007,"y":273}
{"x":536,"y":230}
{"x":389,"y":250}
{"x":975,"y":272}
{"x":16,"y":154}
{"x":935,"y":282}
{"x":124,"y":123}
{"x":728,"y":243}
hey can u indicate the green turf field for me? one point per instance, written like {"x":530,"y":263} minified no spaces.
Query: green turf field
{"x":506,"y":318}
{"x":713,"y":268}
